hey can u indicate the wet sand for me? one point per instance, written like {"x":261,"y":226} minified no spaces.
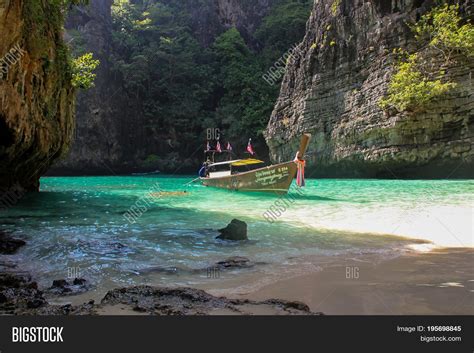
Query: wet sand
{"x":439,"y":282}
{"x":436,"y":282}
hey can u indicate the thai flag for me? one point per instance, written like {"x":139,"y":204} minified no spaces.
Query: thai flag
{"x":218,"y":147}
{"x":229,"y":147}
{"x":249,"y":147}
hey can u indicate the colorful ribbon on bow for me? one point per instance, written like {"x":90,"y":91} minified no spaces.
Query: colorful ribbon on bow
{"x":300,"y":164}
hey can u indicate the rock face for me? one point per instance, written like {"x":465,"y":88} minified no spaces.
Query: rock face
{"x":211,"y":18}
{"x":235,"y":230}
{"x":36,"y":96}
{"x":332,"y":90}
{"x":96,"y":142}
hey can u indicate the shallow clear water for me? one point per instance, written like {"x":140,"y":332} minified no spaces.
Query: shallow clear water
{"x":78,"y":223}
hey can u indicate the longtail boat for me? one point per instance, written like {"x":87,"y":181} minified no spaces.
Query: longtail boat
{"x":275,"y":178}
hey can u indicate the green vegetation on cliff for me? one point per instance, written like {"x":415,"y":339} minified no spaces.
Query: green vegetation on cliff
{"x":421,"y":77}
{"x":42,"y":18}
{"x":83,"y":71}
{"x":182,"y":87}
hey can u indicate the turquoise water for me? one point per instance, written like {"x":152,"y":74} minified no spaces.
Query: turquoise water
{"x":79,"y":223}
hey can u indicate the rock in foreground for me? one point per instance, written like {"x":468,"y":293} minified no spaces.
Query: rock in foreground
{"x":18,"y":293}
{"x":20,"y":296}
{"x":235,"y":230}
{"x":190,"y":301}
{"x":62,"y":287}
{"x":235,"y":262}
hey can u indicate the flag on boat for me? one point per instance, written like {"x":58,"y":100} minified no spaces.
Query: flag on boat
{"x":218,"y":147}
{"x":249,"y":147}
{"x":229,"y":147}
{"x":208,"y":147}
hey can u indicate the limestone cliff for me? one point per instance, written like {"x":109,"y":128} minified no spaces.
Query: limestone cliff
{"x":212,"y":17}
{"x":36,"y":96}
{"x":332,"y":90}
{"x":100,"y":110}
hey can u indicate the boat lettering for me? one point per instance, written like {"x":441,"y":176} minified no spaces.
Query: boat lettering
{"x":268,"y":177}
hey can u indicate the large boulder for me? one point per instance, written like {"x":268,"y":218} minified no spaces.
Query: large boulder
{"x":235,"y":230}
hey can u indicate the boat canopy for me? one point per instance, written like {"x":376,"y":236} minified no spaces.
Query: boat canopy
{"x":225,"y":162}
{"x":247,"y":161}
{"x":238,"y":162}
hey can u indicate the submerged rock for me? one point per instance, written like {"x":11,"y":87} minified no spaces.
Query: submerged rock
{"x":79,"y":282}
{"x":63,"y":287}
{"x":59,"y":283}
{"x":9,"y":245}
{"x":235,"y":262}
{"x":235,"y":230}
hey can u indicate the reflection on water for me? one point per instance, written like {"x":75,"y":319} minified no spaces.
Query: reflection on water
{"x":79,"y":223}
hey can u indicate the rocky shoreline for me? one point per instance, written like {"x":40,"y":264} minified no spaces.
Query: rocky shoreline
{"x":20,"y":295}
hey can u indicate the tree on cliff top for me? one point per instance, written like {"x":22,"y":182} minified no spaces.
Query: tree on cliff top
{"x":420,"y":77}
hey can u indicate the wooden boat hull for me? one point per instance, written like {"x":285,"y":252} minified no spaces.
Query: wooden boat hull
{"x":274,"y":178}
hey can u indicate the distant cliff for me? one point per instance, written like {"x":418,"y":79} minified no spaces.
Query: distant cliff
{"x":210,"y":18}
{"x":115,"y":133}
{"x":332,"y":90}
{"x":36,"y":96}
